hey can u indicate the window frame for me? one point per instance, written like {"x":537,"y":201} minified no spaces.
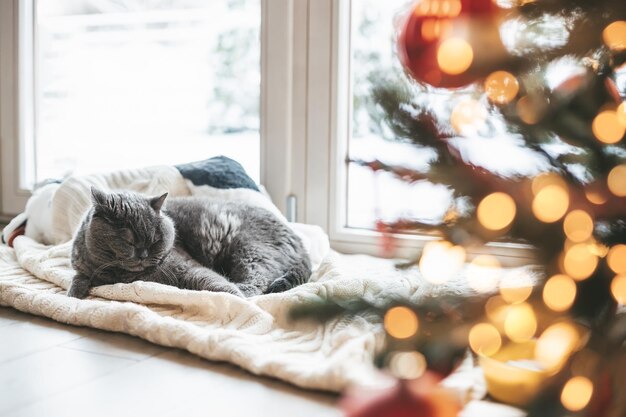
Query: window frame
{"x":328,"y":140}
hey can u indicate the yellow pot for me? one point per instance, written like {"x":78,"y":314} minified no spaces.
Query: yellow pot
{"x":509,"y":383}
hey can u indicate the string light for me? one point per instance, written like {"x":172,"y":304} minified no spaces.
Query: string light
{"x":485,"y":339}
{"x":559,"y":293}
{"x":550,"y":203}
{"x":496,"y":211}
{"x":455,"y":56}
{"x":548,"y":178}
{"x":483,"y":273}
{"x":401,"y":322}
{"x":576,"y":393}
{"x":579,"y":262}
{"x":467,"y":116}
{"x":616,"y":181}
{"x":578,"y":226}
{"x":618,"y":289}
{"x":496,"y":309}
{"x":529,"y":110}
{"x":501,"y":87}
{"x":520,"y":324}
{"x":616,"y":259}
{"x":621,"y":113}
{"x":407,"y":365}
{"x":440,"y":261}
{"x":595,"y":197}
{"x":555,"y":345}
{"x":614,"y":35}
{"x":607,"y":127}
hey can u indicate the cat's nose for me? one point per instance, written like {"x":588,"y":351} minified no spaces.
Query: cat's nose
{"x":142,"y":253}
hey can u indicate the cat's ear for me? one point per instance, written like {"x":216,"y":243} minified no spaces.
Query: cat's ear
{"x":99,"y":197}
{"x":157,"y":202}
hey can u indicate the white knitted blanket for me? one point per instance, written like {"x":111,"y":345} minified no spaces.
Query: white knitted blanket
{"x":253,"y":333}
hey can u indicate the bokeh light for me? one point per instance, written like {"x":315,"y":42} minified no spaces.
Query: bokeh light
{"x":530,"y":111}
{"x":617,"y":180}
{"x":616,"y":259}
{"x":501,"y":87}
{"x":455,"y":56}
{"x":483,"y":273}
{"x":595,"y":197}
{"x":618,"y":289}
{"x":548,"y":178}
{"x":516,"y":286}
{"x":555,"y":345}
{"x":614,"y":35}
{"x":520,"y":324}
{"x":579,"y":262}
{"x":621,"y":113}
{"x":496,"y":211}
{"x":496,"y":309}
{"x":440,"y":261}
{"x":578,"y":226}
{"x":607,"y":127}
{"x":550,"y":203}
{"x":559,"y":293}
{"x":468,"y":115}
{"x":485,"y":339}
{"x":407,"y":365}
{"x":401,"y":322}
{"x":576,"y":393}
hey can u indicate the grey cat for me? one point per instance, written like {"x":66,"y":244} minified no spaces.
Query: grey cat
{"x":188,"y":242}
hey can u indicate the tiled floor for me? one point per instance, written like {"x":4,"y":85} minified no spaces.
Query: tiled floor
{"x":50,"y":369}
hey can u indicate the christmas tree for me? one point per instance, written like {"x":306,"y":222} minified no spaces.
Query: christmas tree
{"x":571,"y":325}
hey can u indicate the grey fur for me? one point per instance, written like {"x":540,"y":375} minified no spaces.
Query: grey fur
{"x":188,"y":242}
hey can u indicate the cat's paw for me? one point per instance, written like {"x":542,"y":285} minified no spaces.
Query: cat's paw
{"x":80,"y":287}
{"x":279,"y":285}
{"x":231,"y":289}
{"x":77,"y":291}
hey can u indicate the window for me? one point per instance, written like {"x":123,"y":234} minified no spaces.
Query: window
{"x":121,"y":84}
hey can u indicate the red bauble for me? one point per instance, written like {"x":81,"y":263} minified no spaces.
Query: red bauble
{"x":447,"y":43}
{"x":422,"y":397}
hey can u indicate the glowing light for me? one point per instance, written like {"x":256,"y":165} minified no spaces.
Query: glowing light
{"x":555,"y":345}
{"x":496,"y":211}
{"x":559,"y":293}
{"x":516,"y":287}
{"x":550,"y":203}
{"x":520,"y":324}
{"x":614,"y":35}
{"x":529,"y":110}
{"x":440,"y":261}
{"x":579,"y":262}
{"x":496,"y":309}
{"x":485,"y":339}
{"x":595,"y":197}
{"x":455,"y":56}
{"x":549,"y":178}
{"x":576,"y":393}
{"x":618,"y":289}
{"x":578,"y":226}
{"x":617,"y":181}
{"x":607,"y":127}
{"x":483,"y":274}
{"x":621,"y":113}
{"x":501,"y":87}
{"x":407,"y":365}
{"x":468,"y":114}
{"x":401,"y":322}
{"x":616,"y":259}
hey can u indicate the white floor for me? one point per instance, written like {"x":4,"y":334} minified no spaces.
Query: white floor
{"x":50,"y":369}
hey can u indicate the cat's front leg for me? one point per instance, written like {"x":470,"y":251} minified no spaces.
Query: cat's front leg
{"x":201,"y":278}
{"x":81,"y":284}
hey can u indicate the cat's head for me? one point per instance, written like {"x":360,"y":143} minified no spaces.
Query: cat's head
{"x":128,"y":231}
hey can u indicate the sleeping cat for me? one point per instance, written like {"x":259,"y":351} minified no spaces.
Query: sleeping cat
{"x":188,"y":242}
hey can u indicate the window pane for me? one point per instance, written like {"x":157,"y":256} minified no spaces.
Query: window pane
{"x":126,"y":83}
{"x":371,"y":196}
